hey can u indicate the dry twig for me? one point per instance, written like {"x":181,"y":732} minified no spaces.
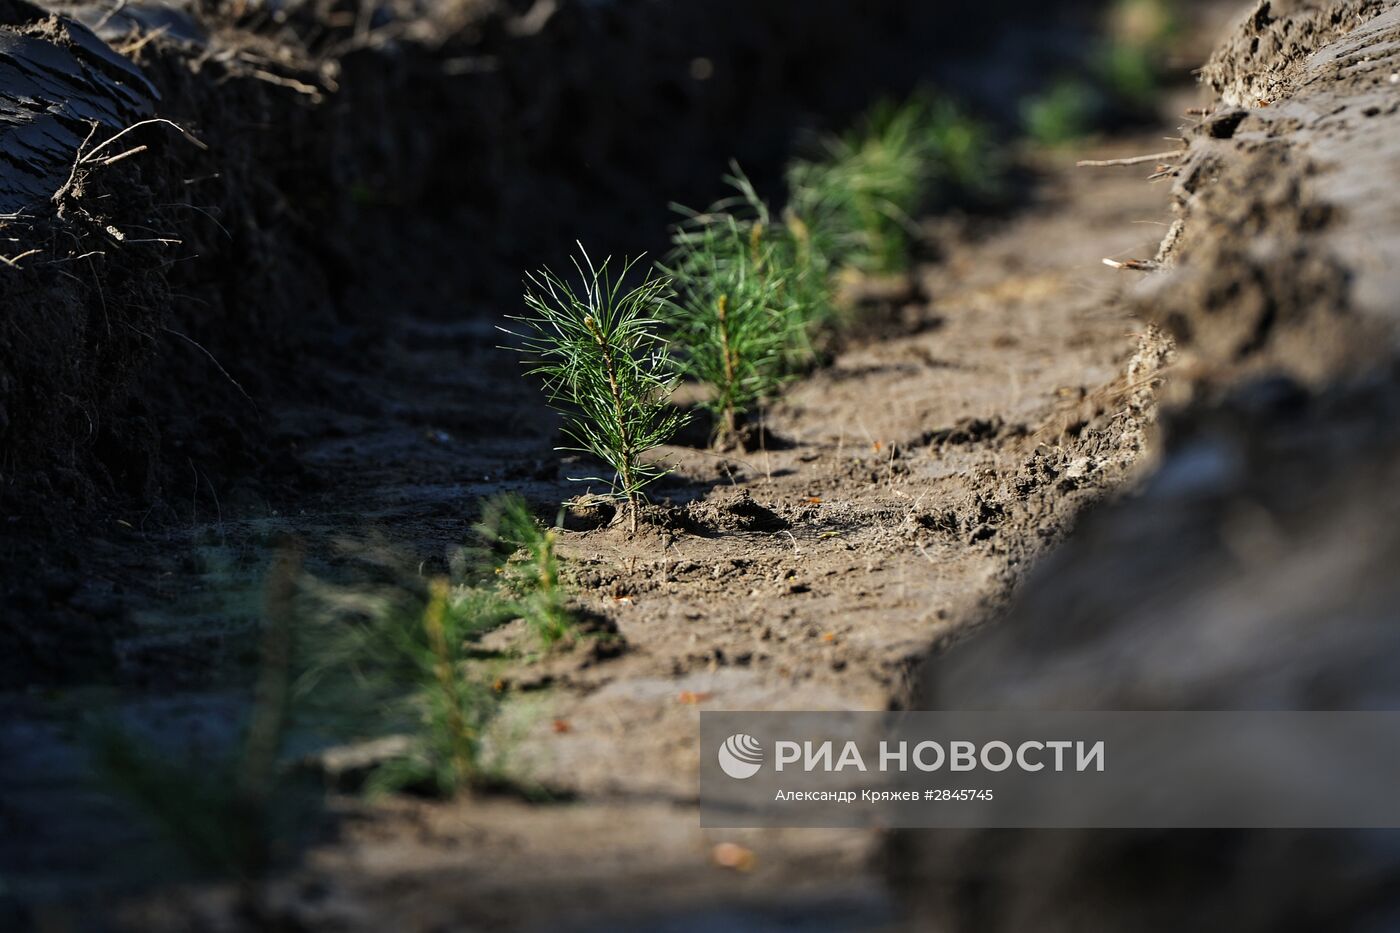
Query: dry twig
{"x":1133,"y":160}
{"x":1133,"y":265}
{"x":13,"y":261}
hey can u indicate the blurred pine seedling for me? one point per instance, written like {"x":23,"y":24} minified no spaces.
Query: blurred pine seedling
{"x":732,"y":319}
{"x":864,"y":187}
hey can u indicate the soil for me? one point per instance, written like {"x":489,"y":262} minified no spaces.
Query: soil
{"x":1253,"y":566}
{"x":420,"y":162}
{"x":898,"y":505}
{"x":895,"y":497}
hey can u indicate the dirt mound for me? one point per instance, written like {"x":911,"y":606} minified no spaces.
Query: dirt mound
{"x":1254,"y":567}
{"x":60,"y":85}
{"x":736,"y":512}
{"x":1263,"y":57}
{"x":1282,"y":252}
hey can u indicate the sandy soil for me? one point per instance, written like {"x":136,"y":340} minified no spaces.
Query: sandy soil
{"x":903,"y":492}
{"x":1253,"y":567}
{"x":901,"y":500}
{"x":345,"y":189}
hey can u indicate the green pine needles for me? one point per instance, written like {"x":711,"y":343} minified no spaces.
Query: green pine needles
{"x":606,"y":366}
{"x":864,"y":188}
{"x":798,"y":255}
{"x":746,"y":296}
{"x":393,"y":658}
{"x":396,"y":654}
{"x":752,"y":295}
{"x":227,"y":814}
{"x":522,"y":557}
{"x":730,"y":316}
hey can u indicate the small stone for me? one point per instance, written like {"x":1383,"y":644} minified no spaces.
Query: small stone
{"x":733,"y":856}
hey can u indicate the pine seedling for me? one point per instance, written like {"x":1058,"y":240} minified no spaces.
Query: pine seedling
{"x":810,"y":289}
{"x":523,"y":560}
{"x":731,"y":316}
{"x":425,"y":692}
{"x":1132,"y":61}
{"x":1062,"y":114}
{"x":192,"y":804}
{"x":863,"y":189}
{"x":799,"y":259}
{"x":392,"y":660}
{"x":789,"y":257}
{"x":606,"y":366}
{"x":454,"y":708}
{"x":965,"y":164}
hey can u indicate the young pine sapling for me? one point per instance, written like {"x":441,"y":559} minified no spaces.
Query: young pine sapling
{"x":732,"y":315}
{"x":606,"y":366}
{"x":522,"y":556}
{"x":393,"y":659}
{"x":790,"y":258}
{"x":864,"y":187}
{"x":227,"y":814}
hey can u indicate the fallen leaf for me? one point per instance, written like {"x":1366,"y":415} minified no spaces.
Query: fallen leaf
{"x":829,"y":637}
{"x":733,"y":855}
{"x":690,"y":698}
{"x":561,"y":725}
{"x":814,"y":500}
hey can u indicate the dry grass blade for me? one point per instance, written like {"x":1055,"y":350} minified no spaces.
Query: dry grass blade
{"x":1132,"y":160}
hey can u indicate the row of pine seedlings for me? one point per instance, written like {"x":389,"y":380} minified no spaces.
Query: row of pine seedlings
{"x":743,"y":302}
{"x":746,"y":298}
